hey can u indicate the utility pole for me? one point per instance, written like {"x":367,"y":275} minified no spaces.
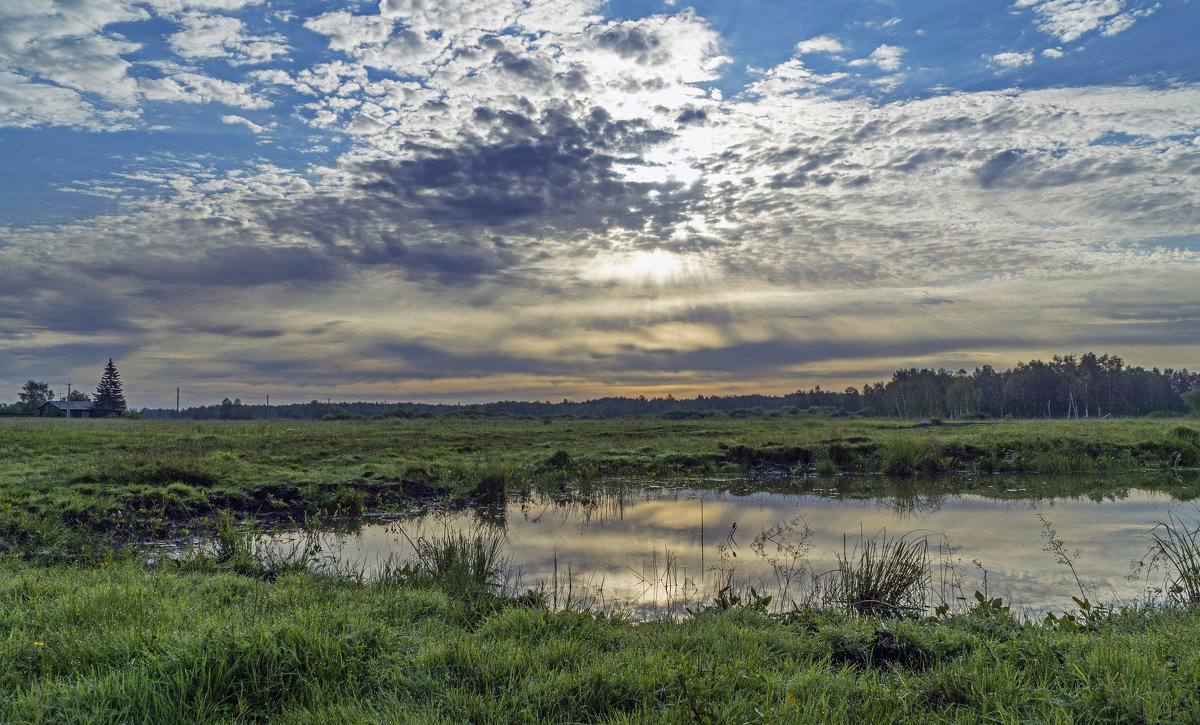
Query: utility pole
{"x":268,"y":407}
{"x":68,"y":391}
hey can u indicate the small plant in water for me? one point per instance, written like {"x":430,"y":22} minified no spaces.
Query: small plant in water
{"x":461,"y":562}
{"x":883,"y":576}
{"x":1056,"y":546}
{"x":1176,"y":548}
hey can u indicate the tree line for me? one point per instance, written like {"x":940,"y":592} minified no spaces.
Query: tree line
{"x":1087,"y":386}
{"x":1068,"y":386}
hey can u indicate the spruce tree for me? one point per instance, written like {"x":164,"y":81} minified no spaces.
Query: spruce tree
{"x":109,"y":398}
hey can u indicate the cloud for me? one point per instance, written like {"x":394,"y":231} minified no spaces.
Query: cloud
{"x":63,"y":68}
{"x":1069,"y":20}
{"x":219,"y":36}
{"x":820,"y":44}
{"x":529,"y":194}
{"x":1011,"y":59}
{"x":886,"y":57}
{"x":190,"y":87}
{"x":239,"y":120}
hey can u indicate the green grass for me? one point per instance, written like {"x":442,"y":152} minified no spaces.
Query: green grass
{"x":124,"y":644}
{"x":233,"y":632}
{"x":124,"y":480}
{"x":883,"y":576}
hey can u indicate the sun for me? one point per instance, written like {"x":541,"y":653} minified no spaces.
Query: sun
{"x":658,"y":268}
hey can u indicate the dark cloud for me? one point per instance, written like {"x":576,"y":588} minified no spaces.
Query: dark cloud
{"x":523,"y":67}
{"x":233,"y":331}
{"x":997,"y":167}
{"x":549,"y":175}
{"x":691,"y":116}
{"x":632,"y":42}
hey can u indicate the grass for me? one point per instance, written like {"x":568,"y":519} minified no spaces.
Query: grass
{"x":236,"y":632}
{"x":1177,"y":548}
{"x":132,"y":479}
{"x":883,"y":576}
{"x":464,"y":564}
{"x":131,"y":645}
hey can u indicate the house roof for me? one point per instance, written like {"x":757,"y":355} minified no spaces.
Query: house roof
{"x":68,"y":404}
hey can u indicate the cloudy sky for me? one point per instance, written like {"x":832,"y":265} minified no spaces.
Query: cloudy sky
{"x":519,"y":199}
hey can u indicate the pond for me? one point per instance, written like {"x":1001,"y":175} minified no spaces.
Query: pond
{"x":648,"y":550}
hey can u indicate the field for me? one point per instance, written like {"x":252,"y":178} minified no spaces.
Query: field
{"x":90,"y":633}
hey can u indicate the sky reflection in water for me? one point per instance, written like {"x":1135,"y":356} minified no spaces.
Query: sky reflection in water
{"x":649,"y":551}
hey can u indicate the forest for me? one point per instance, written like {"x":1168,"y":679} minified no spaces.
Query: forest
{"x":1068,"y":386}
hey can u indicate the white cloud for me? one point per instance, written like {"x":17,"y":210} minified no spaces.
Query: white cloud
{"x":1054,"y":53}
{"x":191,"y":87}
{"x":240,"y":120}
{"x":28,"y":104}
{"x":1011,"y":59}
{"x":169,"y":7}
{"x":819,"y":44}
{"x":886,"y":57}
{"x":220,"y":36}
{"x":1069,"y":20}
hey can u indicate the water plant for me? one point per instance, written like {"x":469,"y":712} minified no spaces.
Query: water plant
{"x":1177,"y":547}
{"x":883,"y":576}
{"x":460,"y":562}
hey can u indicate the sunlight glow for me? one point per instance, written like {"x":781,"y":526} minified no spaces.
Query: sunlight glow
{"x":658,"y":268}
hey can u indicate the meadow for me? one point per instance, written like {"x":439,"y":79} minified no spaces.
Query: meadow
{"x":91,"y":630}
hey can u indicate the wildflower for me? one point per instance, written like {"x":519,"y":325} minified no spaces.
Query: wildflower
{"x":39,"y":644}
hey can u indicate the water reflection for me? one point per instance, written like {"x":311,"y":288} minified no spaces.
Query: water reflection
{"x":663,"y":550}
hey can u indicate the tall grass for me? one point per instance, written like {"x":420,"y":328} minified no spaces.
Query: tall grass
{"x":1177,"y":546}
{"x":882,"y":576}
{"x":462,"y":563}
{"x":908,"y":456}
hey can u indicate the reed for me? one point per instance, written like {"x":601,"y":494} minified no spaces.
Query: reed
{"x":459,"y":562}
{"x":883,"y":577}
{"x":1177,"y":546}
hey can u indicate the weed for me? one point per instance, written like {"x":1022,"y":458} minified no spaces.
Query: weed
{"x":1056,"y":546}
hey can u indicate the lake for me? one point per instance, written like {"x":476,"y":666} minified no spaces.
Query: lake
{"x":651,"y":550}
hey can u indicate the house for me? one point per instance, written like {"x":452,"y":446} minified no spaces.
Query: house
{"x":70,"y":408}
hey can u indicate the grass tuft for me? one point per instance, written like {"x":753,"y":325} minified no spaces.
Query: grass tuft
{"x":1177,"y":545}
{"x":461,"y":563}
{"x":908,"y":456}
{"x":882,"y":576}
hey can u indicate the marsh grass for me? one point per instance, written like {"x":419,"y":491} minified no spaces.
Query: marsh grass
{"x":462,"y":563}
{"x":1177,"y":548}
{"x":909,"y":456}
{"x":881,"y":576}
{"x":128,"y":644}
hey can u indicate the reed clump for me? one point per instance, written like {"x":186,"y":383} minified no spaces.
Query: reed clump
{"x":909,"y":456}
{"x":1177,"y":547}
{"x":460,"y":562}
{"x":883,"y":576}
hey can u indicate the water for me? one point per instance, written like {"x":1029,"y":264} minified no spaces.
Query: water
{"x":663,"y":550}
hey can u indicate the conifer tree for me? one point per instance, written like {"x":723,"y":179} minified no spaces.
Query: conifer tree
{"x":109,"y":398}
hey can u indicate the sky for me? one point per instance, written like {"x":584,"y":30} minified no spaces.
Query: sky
{"x":548,"y":199}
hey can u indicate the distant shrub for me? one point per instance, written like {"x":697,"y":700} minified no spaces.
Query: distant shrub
{"x":755,"y":412}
